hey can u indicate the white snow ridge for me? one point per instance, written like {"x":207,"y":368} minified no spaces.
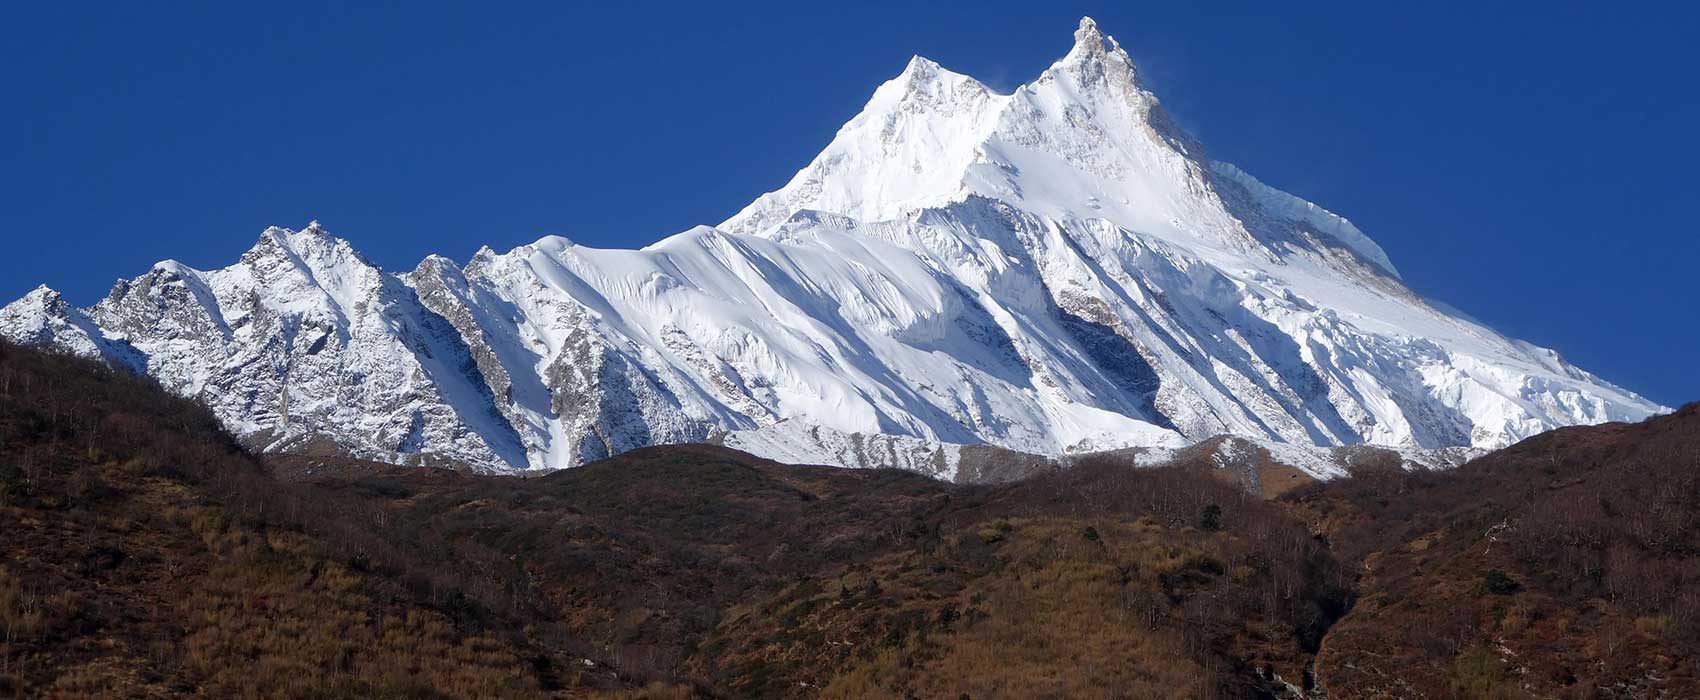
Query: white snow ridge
{"x":1054,"y":270}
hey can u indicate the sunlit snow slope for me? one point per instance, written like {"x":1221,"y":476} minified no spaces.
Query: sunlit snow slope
{"x":1058,"y":269}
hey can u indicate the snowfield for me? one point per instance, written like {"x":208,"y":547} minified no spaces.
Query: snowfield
{"x":1055,"y":270}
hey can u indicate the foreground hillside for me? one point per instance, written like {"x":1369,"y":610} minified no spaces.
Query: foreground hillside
{"x":146,"y":555}
{"x":1567,"y":565}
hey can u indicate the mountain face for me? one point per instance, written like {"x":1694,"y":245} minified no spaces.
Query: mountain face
{"x":1057,"y":269}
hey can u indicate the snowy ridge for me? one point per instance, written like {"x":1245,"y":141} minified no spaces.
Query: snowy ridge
{"x":1057,"y":270}
{"x":1318,"y":462}
{"x":795,"y":442}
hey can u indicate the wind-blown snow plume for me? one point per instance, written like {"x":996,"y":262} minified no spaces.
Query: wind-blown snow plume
{"x":1057,"y":269}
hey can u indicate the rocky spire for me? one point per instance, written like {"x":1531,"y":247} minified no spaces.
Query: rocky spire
{"x":1088,"y":39}
{"x":1097,"y":59}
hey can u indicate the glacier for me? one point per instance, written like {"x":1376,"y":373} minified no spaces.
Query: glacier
{"x":1054,"y":270}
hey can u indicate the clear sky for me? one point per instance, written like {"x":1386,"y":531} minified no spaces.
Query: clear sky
{"x":1532,"y":164}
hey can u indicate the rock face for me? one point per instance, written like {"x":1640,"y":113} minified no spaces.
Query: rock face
{"x":1058,"y":269}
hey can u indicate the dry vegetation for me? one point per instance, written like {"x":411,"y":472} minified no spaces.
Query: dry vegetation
{"x":147,"y":555}
{"x":1567,"y":566}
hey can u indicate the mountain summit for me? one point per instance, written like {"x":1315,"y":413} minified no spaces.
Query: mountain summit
{"x":1056,"y":269}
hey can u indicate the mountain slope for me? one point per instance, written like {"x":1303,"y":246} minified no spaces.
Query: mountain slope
{"x":146,"y":555}
{"x":1058,"y":269}
{"x":1563,"y":566}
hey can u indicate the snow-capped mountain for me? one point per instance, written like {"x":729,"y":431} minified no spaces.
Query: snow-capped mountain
{"x":1057,"y":269}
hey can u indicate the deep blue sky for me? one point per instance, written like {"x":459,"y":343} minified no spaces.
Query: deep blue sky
{"x":1533,"y":165}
